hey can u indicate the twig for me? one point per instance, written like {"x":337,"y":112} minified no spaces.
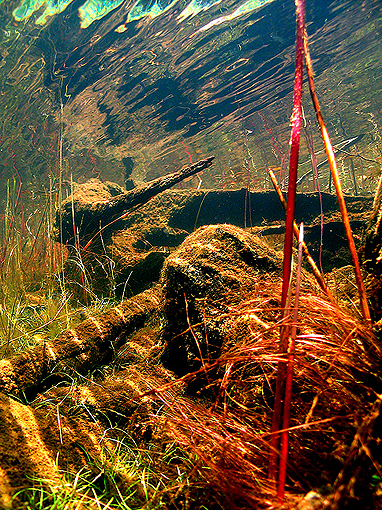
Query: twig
{"x":337,"y":183}
{"x":316,"y":272}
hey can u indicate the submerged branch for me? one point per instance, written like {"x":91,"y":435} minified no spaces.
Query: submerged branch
{"x":88,"y":218}
{"x":88,"y":345}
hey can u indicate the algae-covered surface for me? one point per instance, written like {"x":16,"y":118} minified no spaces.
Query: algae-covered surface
{"x":170,"y":393}
{"x":139,"y":337}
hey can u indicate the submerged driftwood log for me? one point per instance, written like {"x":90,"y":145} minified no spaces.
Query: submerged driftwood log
{"x":221,"y":316}
{"x":78,"y":216}
{"x":139,"y":243}
{"x":90,"y":344}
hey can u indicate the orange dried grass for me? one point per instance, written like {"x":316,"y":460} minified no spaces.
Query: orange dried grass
{"x":335,"y":365}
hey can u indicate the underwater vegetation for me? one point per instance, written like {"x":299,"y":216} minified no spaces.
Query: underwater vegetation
{"x":153,"y":355}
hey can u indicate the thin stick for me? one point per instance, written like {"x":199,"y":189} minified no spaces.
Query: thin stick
{"x":59,"y":423}
{"x":316,"y":272}
{"x":337,"y":183}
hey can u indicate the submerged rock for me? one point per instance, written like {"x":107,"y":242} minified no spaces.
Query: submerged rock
{"x":204,"y":282}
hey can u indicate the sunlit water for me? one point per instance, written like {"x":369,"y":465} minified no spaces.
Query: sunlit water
{"x":85,"y":85}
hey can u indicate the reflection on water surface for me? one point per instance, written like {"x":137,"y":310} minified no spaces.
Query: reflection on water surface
{"x":162,"y":82}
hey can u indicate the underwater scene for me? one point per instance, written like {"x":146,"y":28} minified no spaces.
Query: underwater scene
{"x":191,"y":254}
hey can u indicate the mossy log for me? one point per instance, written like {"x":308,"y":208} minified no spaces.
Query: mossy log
{"x":77,"y":214}
{"x":88,"y":345}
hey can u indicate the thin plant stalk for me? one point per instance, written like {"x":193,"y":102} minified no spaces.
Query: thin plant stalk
{"x":316,"y":272}
{"x":76,"y":240}
{"x":289,"y":378}
{"x":288,"y":242}
{"x":36,"y":237}
{"x":60,"y":199}
{"x":310,"y":145}
{"x":294,"y":151}
{"x":337,"y":183}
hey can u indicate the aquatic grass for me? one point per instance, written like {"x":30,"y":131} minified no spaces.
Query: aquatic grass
{"x":79,"y":271}
{"x":28,"y":323}
{"x":126,"y":477}
{"x":24,"y":271}
{"x":35,"y":302}
{"x":231,"y":437}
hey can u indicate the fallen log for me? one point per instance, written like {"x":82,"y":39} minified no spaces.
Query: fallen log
{"x":90,"y":344}
{"x":81,"y":218}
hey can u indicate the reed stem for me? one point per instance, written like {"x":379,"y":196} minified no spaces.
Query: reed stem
{"x":288,"y":242}
{"x":289,"y":377}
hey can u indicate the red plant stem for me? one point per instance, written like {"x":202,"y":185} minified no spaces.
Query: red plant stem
{"x":295,"y":145}
{"x":288,"y":242}
{"x":289,"y":378}
{"x":337,"y":183}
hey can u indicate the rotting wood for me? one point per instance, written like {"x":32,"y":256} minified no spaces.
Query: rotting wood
{"x":89,"y":344}
{"x":95,"y":216}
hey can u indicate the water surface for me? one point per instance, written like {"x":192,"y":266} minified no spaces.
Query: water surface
{"x":89,"y":86}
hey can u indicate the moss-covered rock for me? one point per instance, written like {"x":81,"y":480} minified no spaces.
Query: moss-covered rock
{"x":204,"y":281}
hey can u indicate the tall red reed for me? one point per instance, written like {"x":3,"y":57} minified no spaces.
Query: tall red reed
{"x":294,"y":151}
{"x":288,"y":243}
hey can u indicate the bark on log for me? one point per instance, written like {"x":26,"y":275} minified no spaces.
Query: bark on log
{"x":90,"y":217}
{"x":90,"y":344}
